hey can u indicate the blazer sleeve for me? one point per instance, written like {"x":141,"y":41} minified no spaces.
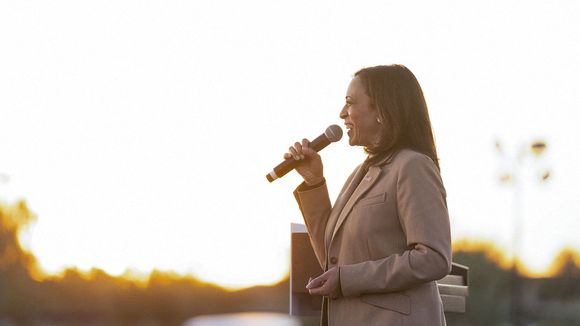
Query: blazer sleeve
{"x":422,"y":209}
{"x":315,"y":208}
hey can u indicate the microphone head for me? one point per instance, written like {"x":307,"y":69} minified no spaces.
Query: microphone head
{"x":333,"y":133}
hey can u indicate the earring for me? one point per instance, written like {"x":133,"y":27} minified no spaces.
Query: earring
{"x":379,"y":120}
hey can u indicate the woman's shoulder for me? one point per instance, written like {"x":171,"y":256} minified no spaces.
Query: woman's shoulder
{"x":408,"y":161}
{"x":406,"y":156}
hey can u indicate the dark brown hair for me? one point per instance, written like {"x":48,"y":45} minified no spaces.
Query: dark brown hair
{"x":396,"y":94}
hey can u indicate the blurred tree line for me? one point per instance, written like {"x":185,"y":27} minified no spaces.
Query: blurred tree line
{"x":546,"y":301}
{"x":97,"y":298}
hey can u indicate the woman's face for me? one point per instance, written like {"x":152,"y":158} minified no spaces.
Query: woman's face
{"x":360,"y":117}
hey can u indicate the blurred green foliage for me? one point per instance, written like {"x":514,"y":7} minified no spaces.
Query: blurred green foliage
{"x":550,"y":301}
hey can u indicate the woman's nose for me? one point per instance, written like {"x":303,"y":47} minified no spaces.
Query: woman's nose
{"x":343,"y":113}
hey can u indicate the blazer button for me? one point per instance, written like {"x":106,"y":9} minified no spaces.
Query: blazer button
{"x":333,"y":260}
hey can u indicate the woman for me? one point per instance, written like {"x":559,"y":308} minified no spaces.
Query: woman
{"x":386,"y":240}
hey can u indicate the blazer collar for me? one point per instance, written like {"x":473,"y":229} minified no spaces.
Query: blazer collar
{"x":387,"y":159}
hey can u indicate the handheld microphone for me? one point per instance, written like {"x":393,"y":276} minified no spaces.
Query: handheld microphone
{"x":331,"y":135}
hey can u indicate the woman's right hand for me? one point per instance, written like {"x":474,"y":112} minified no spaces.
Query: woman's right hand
{"x":309,"y":162}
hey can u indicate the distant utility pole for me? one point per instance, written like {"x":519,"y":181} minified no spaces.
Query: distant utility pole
{"x":513,"y":177}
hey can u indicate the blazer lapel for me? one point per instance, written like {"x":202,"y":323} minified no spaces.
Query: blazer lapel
{"x":363,"y":186}
{"x":342,"y":199}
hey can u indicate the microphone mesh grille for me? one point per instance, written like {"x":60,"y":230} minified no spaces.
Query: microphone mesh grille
{"x":333,"y":133}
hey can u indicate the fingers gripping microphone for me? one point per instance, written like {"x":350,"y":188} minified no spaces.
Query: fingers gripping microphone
{"x":331,"y":135}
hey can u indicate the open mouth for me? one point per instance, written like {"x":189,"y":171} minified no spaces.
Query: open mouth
{"x":349,"y":128}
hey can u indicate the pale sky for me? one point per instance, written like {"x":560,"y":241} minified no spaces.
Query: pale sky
{"x":140,"y":132}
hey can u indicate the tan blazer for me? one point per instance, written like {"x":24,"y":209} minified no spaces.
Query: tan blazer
{"x":389,"y":233}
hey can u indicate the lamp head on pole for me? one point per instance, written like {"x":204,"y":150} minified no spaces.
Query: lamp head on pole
{"x":538,"y":147}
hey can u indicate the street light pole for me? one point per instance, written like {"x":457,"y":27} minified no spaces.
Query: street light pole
{"x":515,"y":179}
{"x":516,"y":311}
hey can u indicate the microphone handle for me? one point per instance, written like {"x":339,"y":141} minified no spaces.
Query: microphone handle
{"x":290,"y":163}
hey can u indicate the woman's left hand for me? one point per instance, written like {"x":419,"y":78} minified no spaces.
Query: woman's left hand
{"x":327,"y":284}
